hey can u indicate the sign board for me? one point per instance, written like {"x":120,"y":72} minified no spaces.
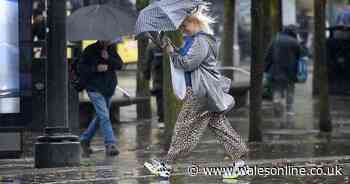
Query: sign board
{"x":9,"y":54}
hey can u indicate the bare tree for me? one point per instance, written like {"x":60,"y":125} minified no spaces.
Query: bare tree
{"x":257,"y":67}
{"x":228,"y":35}
{"x":273,"y":19}
{"x":276,"y":15}
{"x":321,"y":64}
{"x":172,"y":105}
{"x":143,"y":86}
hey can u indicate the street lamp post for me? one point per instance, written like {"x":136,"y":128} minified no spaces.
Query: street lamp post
{"x":57,"y":147}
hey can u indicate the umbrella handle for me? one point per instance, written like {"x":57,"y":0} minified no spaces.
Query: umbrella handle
{"x":169,"y":42}
{"x":160,"y":44}
{"x":149,"y":36}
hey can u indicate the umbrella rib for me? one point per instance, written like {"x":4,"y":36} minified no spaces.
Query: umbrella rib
{"x":93,"y":12}
{"x":111,"y":12}
{"x":164,"y":15}
{"x":167,"y":14}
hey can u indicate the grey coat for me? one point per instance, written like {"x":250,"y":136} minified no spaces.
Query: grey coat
{"x":206,"y":79}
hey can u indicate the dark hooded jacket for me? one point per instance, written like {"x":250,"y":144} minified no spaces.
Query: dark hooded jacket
{"x":102,"y":82}
{"x":281,"y":59}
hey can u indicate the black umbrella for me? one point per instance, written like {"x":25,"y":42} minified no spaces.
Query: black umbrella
{"x":100,"y":22}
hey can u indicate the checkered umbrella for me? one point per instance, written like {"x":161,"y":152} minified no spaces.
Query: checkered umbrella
{"x":165,"y":15}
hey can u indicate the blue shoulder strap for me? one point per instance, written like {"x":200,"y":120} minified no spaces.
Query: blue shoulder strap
{"x":188,"y":44}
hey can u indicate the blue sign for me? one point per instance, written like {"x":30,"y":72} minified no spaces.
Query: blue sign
{"x":9,"y":54}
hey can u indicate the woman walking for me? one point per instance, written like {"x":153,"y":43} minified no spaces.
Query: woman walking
{"x":206,"y":100}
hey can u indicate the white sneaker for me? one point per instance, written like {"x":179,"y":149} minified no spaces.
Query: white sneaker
{"x":239,"y":163}
{"x":231,"y":174}
{"x":242,"y":167}
{"x":236,"y":172}
{"x":158,"y":168}
{"x":230,"y":181}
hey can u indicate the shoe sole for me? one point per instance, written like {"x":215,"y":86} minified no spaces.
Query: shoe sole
{"x":112,"y":155}
{"x":230,"y":177}
{"x":234,"y":175}
{"x":150,"y":168}
{"x":153,"y":171}
{"x":230,"y":181}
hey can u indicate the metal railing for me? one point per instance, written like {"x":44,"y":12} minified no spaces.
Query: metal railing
{"x":246,"y":72}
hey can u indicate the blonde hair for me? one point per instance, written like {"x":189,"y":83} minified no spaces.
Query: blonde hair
{"x":201,"y":17}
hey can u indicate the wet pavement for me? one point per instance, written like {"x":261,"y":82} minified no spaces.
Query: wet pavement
{"x":288,"y":140}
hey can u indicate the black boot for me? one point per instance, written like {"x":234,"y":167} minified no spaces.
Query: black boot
{"x":85,"y":145}
{"x":111,"y":150}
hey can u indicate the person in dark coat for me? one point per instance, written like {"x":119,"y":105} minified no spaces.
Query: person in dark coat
{"x":154,"y":68}
{"x":281,"y":64}
{"x":97,"y":71}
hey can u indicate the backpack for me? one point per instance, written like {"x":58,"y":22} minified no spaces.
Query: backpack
{"x":302,"y":71}
{"x":74,"y":77}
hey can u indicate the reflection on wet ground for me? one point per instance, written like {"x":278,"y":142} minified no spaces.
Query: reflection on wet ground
{"x":292,"y":139}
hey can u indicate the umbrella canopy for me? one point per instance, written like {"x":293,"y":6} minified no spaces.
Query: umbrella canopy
{"x":165,"y":15}
{"x":100,"y":22}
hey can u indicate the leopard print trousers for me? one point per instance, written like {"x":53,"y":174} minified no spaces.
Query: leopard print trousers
{"x":191,"y":124}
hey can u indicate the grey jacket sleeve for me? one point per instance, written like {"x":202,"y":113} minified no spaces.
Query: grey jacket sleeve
{"x":195,"y":56}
